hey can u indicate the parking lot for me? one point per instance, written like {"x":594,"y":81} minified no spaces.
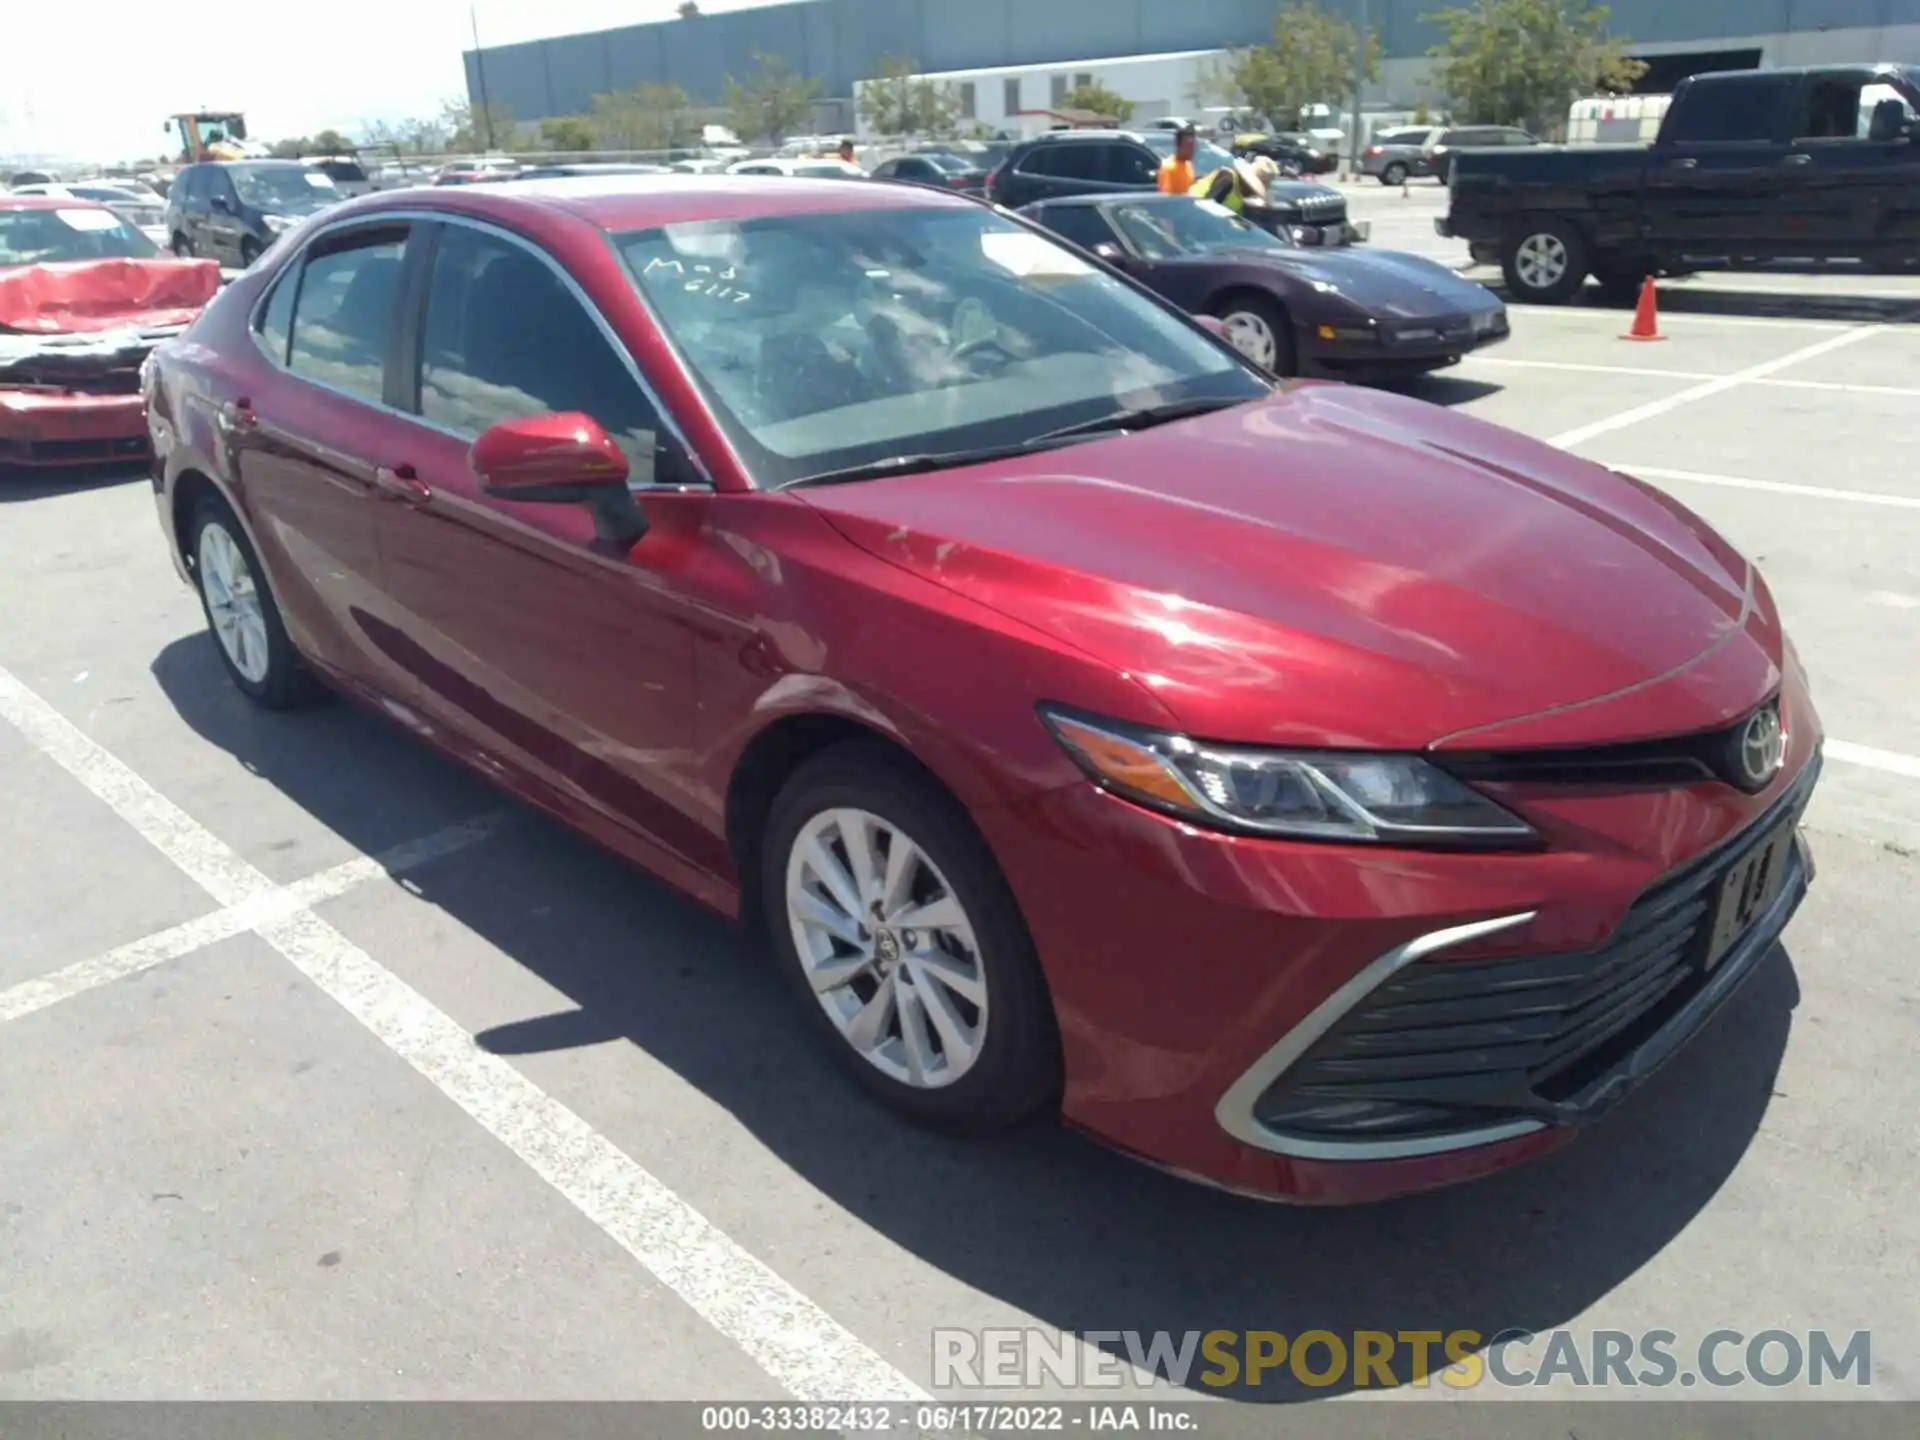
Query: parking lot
{"x":327,"y":1073}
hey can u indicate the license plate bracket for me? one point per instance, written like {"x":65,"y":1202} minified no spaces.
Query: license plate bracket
{"x":1746,"y":891}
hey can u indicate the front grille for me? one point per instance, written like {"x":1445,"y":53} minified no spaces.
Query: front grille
{"x":1449,"y":1046}
{"x":73,"y":452}
{"x":1675,"y":760}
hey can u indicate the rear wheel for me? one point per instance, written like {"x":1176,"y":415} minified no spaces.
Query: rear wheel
{"x":183,"y":247}
{"x":891,"y":917}
{"x":1259,"y":329}
{"x":1394,"y":174}
{"x":249,"y":252}
{"x":246,"y":624}
{"x":1545,"y":261}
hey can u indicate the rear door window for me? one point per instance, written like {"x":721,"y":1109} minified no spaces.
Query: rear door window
{"x":1746,"y":108}
{"x":343,"y":316}
{"x":1067,"y":162}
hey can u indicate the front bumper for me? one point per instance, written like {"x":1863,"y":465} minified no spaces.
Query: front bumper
{"x":1419,"y":342}
{"x":45,"y":426}
{"x":1196,"y":975}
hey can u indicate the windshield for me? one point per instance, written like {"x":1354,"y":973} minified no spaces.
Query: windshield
{"x":1161,"y":229}
{"x":108,"y":194}
{"x":38,"y":237}
{"x":825,"y":341}
{"x":1402,"y":137}
{"x":284,"y":188}
{"x":1207,"y":156}
{"x":941,"y":160}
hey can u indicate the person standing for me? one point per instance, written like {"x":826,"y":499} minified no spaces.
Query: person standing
{"x":1176,"y":174}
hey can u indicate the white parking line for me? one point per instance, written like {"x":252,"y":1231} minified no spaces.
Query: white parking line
{"x":1892,"y":761}
{"x":249,"y":914}
{"x":803,"y":1348}
{"x":1656,"y":408}
{"x":1686,"y":319}
{"x":1774,"y":487}
{"x":1643,"y":372}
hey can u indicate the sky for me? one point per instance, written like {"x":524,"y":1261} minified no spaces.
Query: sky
{"x":134,"y":62}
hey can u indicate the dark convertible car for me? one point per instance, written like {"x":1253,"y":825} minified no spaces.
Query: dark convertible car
{"x":1283,"y":305}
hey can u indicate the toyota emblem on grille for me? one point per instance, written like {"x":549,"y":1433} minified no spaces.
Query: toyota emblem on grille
{"x":1761,"y":748}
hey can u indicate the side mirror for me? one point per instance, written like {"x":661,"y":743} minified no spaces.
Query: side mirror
{"x":221,"y":202}
{"x":560,"y":460}
{"x":1110,"y":252}
{"x":1212,"y":324}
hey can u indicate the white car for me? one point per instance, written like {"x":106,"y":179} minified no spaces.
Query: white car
{"x":809,"y":168}
{"x":140,"y":208}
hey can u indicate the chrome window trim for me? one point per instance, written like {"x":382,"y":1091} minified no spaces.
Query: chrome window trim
{"x":1234,"y":1112}
{"x":416,"y":217}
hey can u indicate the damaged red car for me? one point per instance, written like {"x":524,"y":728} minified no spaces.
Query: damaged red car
{"x":84,"y":296}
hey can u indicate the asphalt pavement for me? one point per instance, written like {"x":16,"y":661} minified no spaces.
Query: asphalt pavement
{"x":328,"y":1073}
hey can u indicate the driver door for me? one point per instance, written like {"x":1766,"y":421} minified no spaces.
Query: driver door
{"x":546,"y":657}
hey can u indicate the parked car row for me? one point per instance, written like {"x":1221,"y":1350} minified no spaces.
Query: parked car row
{"x":1091,"y":722}
{"x":1397,"y":156}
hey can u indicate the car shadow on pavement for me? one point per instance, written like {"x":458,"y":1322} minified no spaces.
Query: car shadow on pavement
{"x":1040,"y":1219}
{"x":1441,"y":388}
{"x":19,"y":482}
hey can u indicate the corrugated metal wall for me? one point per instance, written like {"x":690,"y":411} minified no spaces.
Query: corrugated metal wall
{"x":840,"y":41}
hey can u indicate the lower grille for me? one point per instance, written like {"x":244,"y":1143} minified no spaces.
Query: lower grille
{"x":1445,"y":1047}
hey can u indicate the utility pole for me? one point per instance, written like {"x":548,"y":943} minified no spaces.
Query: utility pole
{"x":1359,"y":86}
{"x":480,"y":71}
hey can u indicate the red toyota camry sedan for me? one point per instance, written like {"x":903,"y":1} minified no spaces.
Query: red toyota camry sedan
{"x":1308,"y":790}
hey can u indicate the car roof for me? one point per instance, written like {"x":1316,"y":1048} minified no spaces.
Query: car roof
{"x":640,"y":202}
{"x":48,"y":202}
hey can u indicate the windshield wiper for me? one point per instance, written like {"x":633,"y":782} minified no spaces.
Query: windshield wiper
{"x":1141,"y":417}
{"x":925,"y":460}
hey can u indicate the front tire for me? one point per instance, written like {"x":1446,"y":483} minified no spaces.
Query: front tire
{"x":183,"y":247}
{"x":893,"y":921}
{"x":249,"y":252}
{"x":247,"y":630}
{"x":1259,"y":329}
{"x":1394,"y":174}
{"x":1545,"y":261}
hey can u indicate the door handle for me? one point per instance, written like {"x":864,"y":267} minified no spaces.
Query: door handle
{"x":236,"y":417}
{"x":1799,"y":158}
{"x":1686,"y":165}
{"x":399,"y":482}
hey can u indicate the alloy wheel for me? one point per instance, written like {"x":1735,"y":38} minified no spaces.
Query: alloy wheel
{"x":1541,"y":261}
{"x":233,"y":603}
{"x":887,"y":947}
{"x":1252,"y":336}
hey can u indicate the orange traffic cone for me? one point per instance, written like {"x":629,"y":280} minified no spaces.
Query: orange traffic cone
{"x":1646,"y":315}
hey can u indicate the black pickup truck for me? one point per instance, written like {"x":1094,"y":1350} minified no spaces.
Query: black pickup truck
{"x":1750,"y":167}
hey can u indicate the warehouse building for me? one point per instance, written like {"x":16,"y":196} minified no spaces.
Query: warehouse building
{"x":840,"y":42}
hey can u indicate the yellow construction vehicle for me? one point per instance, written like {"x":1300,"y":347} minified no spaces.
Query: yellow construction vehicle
{"x":212,"y":135}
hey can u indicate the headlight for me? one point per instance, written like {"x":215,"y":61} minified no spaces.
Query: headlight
{"x":1306,"y":794}
{"x":279,"y":224}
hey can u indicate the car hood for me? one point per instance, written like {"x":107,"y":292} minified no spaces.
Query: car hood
{"x":1380,"y":281}
{"x":75,"y":296}
{"x":1336,"y":566}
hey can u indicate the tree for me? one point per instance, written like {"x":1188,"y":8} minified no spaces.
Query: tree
{"x":902,"y":101}
{"x":1313,"y":60}
{"x":468,"y":127}
{"x":771,"y":103}
{"x":1098,"y":99}
{"x":688,"y":10}
{"x":566,"y":132}
{"x":291,"y":148}
{"x":643,"y":117}
{"x":332,"y":142}
{"x":1524,"y":62}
